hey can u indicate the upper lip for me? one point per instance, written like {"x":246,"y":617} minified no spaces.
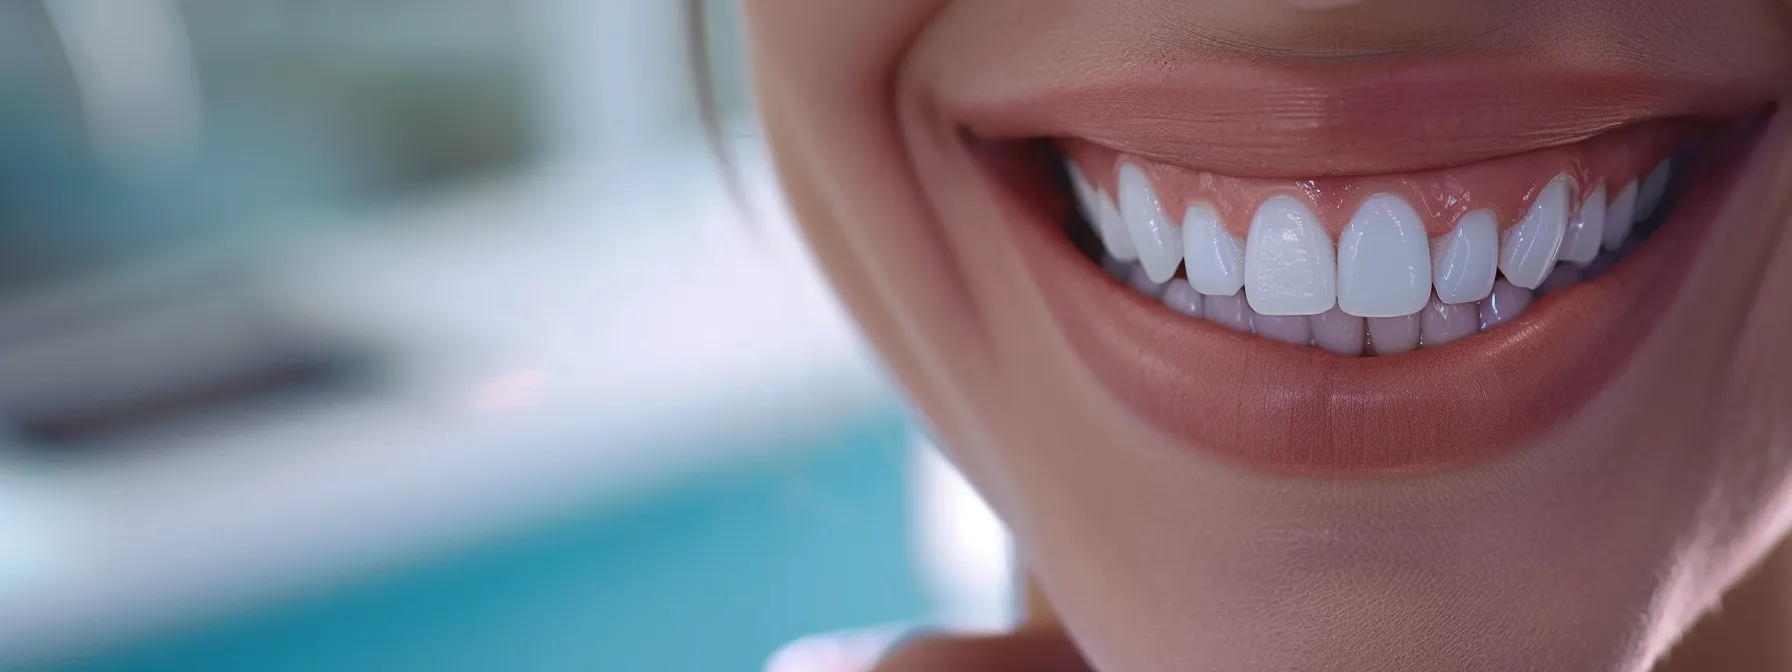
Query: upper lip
{"x":1345,"y":118}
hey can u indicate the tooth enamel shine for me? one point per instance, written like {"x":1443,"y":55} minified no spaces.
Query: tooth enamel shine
{"x":1290,"y":266}
{"x":1213,"y":257}
{"x":1529,"y":250}
{"x":1581,"y":243}
{"x":1464,"y":266}
{"x":1619,"y":217}
{"x":1384,"y":260}
{"x":1156,"y":238}
{"x":1112,"y":229}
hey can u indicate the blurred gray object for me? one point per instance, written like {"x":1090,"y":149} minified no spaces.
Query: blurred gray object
{"x":148,"y":149}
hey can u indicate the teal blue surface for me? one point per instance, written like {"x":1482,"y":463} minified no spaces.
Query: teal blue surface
{"x":711,"y":576}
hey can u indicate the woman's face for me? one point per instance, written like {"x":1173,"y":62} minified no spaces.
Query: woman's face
{"x":1365,"y":336}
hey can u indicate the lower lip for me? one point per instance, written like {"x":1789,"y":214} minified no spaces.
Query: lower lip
{"x":1299,"y":410}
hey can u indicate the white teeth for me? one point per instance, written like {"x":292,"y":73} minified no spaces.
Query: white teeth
{"x":1529,"y":250}
{"x":1231,"y":312}
{"x":1503,"y":305}
{"x":1141,"y":282}
{"x":1394,"y":335}
{"x":1085,"y":192}
{"x":1653,"y":187}
{"x":1464,"y":263}
{"x":1443,"y":323}
{"x":1338,"y":333}
{"x":1581,"y":243}
{"x":1183,"y":299}
{"x":1384,"y":260}
{"x":1290,"y":267}
{"x":1156,"y":237}
{"x":1214,"y":258}
{"x":1620,"y":217}
{"x":1112,"y":229}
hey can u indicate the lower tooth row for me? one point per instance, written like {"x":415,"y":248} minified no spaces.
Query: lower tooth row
{"x":1340,"y":333}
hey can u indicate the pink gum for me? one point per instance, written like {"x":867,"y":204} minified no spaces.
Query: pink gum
{"x":1506,"y":185}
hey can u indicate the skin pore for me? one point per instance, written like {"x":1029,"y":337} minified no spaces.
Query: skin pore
{"x":1596,"y":542}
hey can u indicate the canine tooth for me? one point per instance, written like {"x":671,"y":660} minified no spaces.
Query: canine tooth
{"x":1384,"y":260}
{"x":1441,"y":323}
{"x":1394,"y":335}
{"x":1653,"y":187}
{"x":1084,"y":192}
{"x":1112,"y":229}
{"x":1140,"y":281}
{"x":1156,"y":237}
{"x":1465,"y":262}
{"x":1581,"y":242}
{"x":1214,"y":257}
{"x":1505,"y":303}
{"x":1338,"y":332}
{"x":1183,"y":299}
{"x":1529,"y":249}
{"x":1290,"y":266}
{"x":1619,"y":217}
{"x":1285,"y":328}
{"x":1232,"y":311}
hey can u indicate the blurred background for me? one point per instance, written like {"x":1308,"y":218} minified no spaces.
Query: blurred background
{"x":423,"y":334}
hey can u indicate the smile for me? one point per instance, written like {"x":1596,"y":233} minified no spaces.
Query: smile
{"x":1409,"y":306}
{"x":1379,"y":265}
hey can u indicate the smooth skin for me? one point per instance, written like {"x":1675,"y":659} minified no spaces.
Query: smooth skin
{"x":1599,"y":546}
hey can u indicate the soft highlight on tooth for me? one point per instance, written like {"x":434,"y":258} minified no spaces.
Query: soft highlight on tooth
{"x":1290,"y":266}
{"x":1292,"y":329}
{"x":1112,"y":229}
{"x":1183,"y":299}
{"x":1505,"y":304}
{"x":1156,"y":238}
{"x":1394,"y":335}
{"x":1465,"y":261}
{"x":1580,"y":244}
{"x":1653,"y":188}
{"x":1212,"y":256}
{"x":1442,"y":323}
{"x":1529,"y":249}
{"x":1083,"y":191}
{"x":1384,"y":260}
{"x":1620,"y":216}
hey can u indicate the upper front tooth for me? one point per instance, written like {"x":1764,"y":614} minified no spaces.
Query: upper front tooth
{"x":1213,"y":257}
{"x":1467,"y":259}
{"x":1384,"y":260}
{"x":1654,"y":186}
{"x":1529,"y":250}
{"x":1290,"y":267}
{"x":1581,"y":243}
{"x":1157,"y":238}
{"x":1112,"y":229}
{"x":1620,"y":217}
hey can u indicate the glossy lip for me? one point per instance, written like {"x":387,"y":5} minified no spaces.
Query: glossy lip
{"x":1300,"y":410}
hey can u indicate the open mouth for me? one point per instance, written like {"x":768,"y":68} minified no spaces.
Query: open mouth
{"x":1377,"y":265}
{"x":1260,"y":317}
